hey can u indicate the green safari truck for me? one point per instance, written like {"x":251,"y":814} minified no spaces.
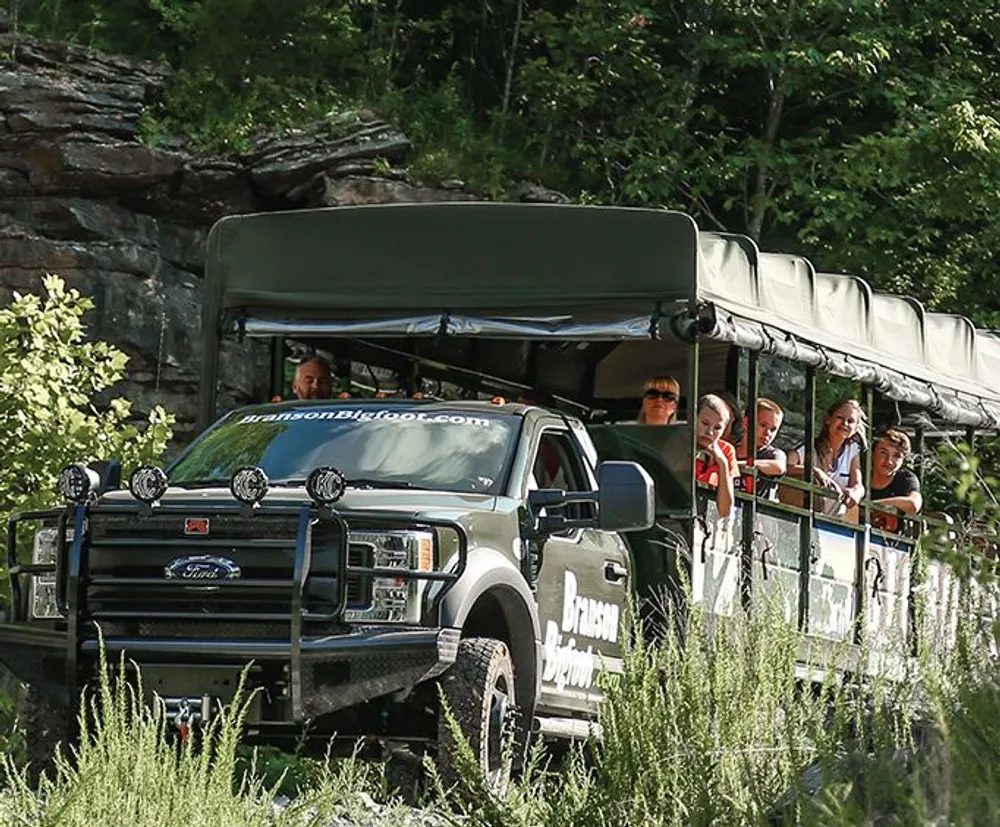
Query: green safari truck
{"x":361,"y":556}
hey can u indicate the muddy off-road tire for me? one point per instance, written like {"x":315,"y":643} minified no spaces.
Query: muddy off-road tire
{"x":45,"y":724}
{"x":479,"y":690}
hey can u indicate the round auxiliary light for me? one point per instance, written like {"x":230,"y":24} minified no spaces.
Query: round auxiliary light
{"x":249,"y":484}
{"x":148,"y":483}
{"x":78,"y":482}
{"x":326,"y":485}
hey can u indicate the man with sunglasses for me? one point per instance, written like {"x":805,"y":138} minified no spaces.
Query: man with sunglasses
{"x":660,"y":398}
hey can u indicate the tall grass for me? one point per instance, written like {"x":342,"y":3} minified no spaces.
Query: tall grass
{"x":709,"y":726}
{"x":713,"y":726}
{"x":129,"y":770}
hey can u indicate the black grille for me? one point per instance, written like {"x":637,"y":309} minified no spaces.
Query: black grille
{"x":128,"y":556}
{"x":170,"y":527}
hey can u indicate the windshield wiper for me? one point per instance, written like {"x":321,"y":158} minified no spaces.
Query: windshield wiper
{"x":370,"y":482}
{"x":360,"y":482}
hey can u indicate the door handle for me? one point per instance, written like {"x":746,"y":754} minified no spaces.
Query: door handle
{"x":614,"y":572}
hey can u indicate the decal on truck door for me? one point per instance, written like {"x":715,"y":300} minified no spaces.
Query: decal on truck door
{"x":566,"y":662}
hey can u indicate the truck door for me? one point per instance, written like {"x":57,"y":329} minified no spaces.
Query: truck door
{"x":582,"y":585}
{"x":662,"y":560}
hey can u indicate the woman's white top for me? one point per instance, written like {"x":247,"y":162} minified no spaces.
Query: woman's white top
{"x":840,"y":473}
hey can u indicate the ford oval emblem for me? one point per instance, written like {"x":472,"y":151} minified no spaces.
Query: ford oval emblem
{"x":201,"y":567}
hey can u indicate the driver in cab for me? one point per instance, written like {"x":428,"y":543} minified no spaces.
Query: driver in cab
{"x":313,"y":380}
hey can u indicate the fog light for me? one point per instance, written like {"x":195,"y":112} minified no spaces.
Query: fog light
{"x":78,"y":482}
{"x":326,"y":485}
{"x":148,"y":484}
{"x":249,"y":485}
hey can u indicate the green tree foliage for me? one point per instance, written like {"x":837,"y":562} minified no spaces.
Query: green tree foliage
{"x":961,"y":481}
{"x":49,"y":373}
{"x":861,"y":134}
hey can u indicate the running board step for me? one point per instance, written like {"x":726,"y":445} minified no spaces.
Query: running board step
{"x":566,"y":728}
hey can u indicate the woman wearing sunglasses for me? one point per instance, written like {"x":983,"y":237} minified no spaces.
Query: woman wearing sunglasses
{"x":660,"y":397}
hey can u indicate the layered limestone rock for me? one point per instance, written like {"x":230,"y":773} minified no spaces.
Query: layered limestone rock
{"x":82,"y":196}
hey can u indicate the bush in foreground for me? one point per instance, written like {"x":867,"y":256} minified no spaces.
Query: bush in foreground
{"x":130,"y":769}
{"x":720,"y":731}
{"x":716,"y":731}
{"x":50,"y":375}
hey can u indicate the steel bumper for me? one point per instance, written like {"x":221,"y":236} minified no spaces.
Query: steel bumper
{"x":436,"y":644}
{"x":325,"y":673}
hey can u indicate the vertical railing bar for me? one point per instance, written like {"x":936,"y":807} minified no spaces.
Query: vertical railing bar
{"x":303,"y":558}
{"x":750,"y":506}
{"x":806,"y":523}
{"x":862,"y":536}
{"x":75,"y":586}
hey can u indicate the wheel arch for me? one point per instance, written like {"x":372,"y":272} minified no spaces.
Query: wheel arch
{"x":493,"y":600}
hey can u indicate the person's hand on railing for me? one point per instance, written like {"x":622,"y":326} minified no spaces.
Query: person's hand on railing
{"x":850,"y":498}
{"x":839,"y":499}
{"x":824,"y":480}
{"x":820,"y":477}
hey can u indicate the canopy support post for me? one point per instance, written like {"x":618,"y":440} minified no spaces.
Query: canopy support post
{"x":920,"y":437}
{"x":920,"y":553}
{"x":697,"y":573}
{"x":806,"y":522}
{"x":277,"y":384}
{"x":861,"y":536}
{"x":749,"y":524}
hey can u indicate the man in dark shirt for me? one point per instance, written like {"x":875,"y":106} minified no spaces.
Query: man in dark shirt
{"x":770,"y":462}
{"x":893,"y":485}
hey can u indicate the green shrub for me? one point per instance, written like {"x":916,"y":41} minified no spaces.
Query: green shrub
{"x":715,"y":731}
{"x":49,"y":376}
{"x":130,"y":769}
{"x":719,"y":730}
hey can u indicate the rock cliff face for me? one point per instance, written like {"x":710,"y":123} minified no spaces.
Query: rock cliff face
{"x":82,"y":196}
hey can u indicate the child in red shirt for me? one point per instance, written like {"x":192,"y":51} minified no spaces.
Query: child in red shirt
{"x":716,"y":464}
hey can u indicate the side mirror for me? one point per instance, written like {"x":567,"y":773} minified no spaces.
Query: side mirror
{"x":625,"y":498}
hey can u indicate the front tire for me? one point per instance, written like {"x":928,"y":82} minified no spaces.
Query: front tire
{"x":479,"y":689}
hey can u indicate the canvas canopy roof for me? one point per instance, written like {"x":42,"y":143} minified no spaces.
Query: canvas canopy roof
{"x":540,"y":271}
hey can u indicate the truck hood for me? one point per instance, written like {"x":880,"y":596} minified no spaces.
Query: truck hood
{"x":445,"y":505}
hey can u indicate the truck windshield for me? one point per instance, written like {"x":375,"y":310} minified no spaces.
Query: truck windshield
{"x":430,"y":446}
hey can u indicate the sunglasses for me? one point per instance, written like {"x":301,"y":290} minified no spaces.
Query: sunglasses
{"x":653,"y":393}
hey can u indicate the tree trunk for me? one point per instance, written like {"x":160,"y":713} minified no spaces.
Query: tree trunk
{"x":762,"y":186}
{"x":511,"y":57}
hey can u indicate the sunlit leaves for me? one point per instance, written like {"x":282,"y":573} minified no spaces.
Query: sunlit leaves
{"x":49,"y":375}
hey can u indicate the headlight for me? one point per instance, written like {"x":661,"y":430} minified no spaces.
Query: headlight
{"x":44,"y":587}
{"x":395,"y":599}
